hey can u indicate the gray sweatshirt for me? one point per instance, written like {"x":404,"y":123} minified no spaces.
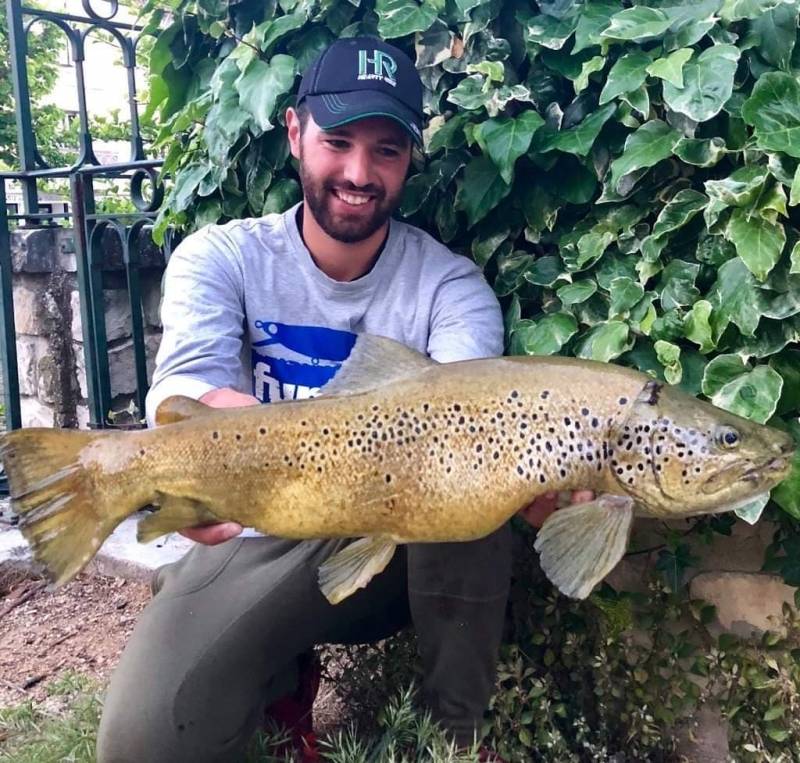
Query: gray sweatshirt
{"x":246,"y":307}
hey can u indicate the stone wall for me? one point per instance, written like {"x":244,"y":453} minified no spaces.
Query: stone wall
{"x":50,"y":342}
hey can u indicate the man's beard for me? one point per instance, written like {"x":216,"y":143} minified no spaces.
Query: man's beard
{"x":345,"y":228}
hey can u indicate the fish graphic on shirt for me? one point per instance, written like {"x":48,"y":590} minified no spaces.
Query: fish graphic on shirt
{"x":294,"y":362}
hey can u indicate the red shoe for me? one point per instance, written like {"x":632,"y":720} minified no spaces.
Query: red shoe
{"x":485,"y":755}
{"x":294,"y":712}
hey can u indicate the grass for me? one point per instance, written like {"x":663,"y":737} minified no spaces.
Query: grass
{"x":63,"y":729}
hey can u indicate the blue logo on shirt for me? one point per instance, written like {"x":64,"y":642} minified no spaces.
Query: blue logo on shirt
{"x":294,"y":362}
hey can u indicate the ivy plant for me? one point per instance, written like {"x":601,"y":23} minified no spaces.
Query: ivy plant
{"x":627,"y":174}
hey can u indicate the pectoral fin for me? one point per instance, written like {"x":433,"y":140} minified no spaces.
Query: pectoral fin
{"x":579,"y":545}
{"x":354,"y":566}
{"x":174,"y":514}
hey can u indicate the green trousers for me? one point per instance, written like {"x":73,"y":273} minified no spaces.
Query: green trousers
{"x":221,"y":638}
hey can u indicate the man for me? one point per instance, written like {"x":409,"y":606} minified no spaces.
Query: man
{"x":266,"y":309}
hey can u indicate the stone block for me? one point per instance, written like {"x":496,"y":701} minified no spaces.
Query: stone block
{"x":151,"y":298}
{"x":122,"y":368}
{"x":27,"y":361}
{"x":748,"y":603}
{"x":43,"y":250}
{"x":80,"y":369}
{"x":48,"y":379}
{"x":35,"y":413}
{"x":27,"y":296}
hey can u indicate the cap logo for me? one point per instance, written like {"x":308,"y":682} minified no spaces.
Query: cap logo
{"x":380,"y":66}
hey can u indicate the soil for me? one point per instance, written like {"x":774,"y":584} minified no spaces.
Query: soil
{"x":82,"y":628}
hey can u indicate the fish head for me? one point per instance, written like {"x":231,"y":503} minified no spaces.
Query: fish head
{"x":677,"y":455}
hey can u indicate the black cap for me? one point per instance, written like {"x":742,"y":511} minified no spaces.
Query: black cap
{"x":359,"y":77}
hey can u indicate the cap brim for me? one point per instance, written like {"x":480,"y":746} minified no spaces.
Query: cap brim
{"x":335,"y":109}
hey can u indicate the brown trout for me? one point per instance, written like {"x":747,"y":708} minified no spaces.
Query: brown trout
{"x":400,"y":449}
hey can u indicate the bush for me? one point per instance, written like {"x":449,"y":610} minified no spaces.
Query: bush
{"x":626,"y":176}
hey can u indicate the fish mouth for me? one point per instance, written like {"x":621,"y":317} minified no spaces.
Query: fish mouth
{"x":763,"y":475}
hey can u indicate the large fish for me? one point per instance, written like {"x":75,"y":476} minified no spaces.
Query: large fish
{"x":401,"y":449}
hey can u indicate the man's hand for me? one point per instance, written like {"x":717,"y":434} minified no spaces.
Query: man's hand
{"x":536,"y":512}
{"x":211,"y":535}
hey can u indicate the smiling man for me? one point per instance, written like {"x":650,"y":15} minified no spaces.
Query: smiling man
{"x":267,"y":309}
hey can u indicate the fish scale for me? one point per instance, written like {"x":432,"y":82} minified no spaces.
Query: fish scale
{"x":401,"y":449}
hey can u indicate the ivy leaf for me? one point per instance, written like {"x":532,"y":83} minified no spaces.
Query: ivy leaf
{"x":701,"y":152}
{"x":676,"y":213}
{"x":593,"y":65}
{"x":698,"y":327}
{"x":773,"y":109}
{"x":548,"y":31}
{"x":282,"y":194}
{"x":605,"y":342}
{"x":505,"y":139}
{"x":777,"y":29}
{"x":787,"y":494}
{"x":736,"y":298}
{"x":594,"y":18}
{"x":275,"y":29}
{"x":707,"y":83}
{"x":575,"y":293}
{"x":758,"y":242}
{"x":794,"y":259}
{"x":670,"y":68}
{"x":720,"y":371}
{"x":651,"y":143}
{"x":186,"y":183}
{"x":260,"y":85}
{"x":548,"y":335}
{"x":627,"y":74}
{"x":481,"y":189}
{"x":398,"y":18}
{"x":733,"y":10}
{"x":669,"y":355}
{"x":794,"y":193}
{"x":469,"y":93}
{"x":449,"y":135}
{"x":576,"y":140}
{"x":624,"y":293}
{"x":545,"y":271}
{"x":753,"y":395}
{"x":638,"y":24}
{"x":677,"y":284}
{"x":741,"y":188}
{"x":787,"y":364}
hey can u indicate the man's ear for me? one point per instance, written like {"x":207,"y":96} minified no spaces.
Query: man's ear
{"x":293,"y":131}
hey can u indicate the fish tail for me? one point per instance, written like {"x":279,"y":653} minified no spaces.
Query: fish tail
{"x":62,"y":515}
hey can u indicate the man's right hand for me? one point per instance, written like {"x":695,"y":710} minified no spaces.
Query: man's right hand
{"x":211,"y":535}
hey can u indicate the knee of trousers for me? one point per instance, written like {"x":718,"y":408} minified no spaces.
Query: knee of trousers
{"x":479,"y":569}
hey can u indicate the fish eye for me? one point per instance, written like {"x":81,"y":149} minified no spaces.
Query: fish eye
{"x":727,"y":437}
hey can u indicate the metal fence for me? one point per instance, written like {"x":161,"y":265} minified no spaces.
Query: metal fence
{"x":91,"y":229}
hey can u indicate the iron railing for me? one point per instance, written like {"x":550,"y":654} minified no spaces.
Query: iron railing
{"x":91,"y":228}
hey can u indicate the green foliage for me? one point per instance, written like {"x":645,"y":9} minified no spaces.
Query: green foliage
{"x":45,"y":43}
{"x":627,"y":177}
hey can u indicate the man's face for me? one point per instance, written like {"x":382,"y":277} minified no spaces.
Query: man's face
{"x":352,"y":175}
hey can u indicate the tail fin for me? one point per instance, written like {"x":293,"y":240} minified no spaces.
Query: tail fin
{"x":62,"y":515}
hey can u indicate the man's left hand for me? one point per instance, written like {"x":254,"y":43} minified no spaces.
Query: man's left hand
{"x":538,"y":511}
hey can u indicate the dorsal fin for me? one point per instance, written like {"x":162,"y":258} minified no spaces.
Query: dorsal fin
{"x":179,"y":408}
{"x":374,"y":362}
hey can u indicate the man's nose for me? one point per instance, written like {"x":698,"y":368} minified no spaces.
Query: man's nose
{"x":357,"y":167}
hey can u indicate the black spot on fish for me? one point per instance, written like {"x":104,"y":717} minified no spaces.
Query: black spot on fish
{"x":585,"y":412}
{"x":215,"y":435}
{"x":261,"y":430}
{"x":545,"y":394}
{"x":141,"y":452}
{"x":623,"y":401}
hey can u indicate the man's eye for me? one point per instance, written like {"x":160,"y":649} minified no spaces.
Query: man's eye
{"x":333,"y":143}
{"x":389,"y":153}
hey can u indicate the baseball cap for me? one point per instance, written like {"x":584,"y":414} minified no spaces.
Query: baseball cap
{"x":359,"y":77}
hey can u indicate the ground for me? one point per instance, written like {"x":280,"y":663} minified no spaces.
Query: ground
{"x":81,"y":628}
